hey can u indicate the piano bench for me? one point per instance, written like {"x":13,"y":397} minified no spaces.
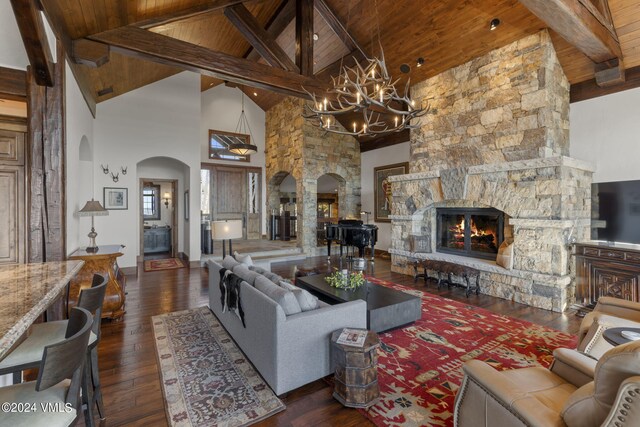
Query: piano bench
{"x":450,"y":269}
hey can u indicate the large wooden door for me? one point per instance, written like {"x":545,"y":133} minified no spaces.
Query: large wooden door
{"x":13,"y":196}
{"x":236,"y":194}
{"x":230,"y":193}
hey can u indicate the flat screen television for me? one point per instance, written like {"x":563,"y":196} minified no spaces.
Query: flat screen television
{"x":615,"y":211}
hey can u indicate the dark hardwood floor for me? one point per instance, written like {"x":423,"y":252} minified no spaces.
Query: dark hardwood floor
{"x":127,"y":359}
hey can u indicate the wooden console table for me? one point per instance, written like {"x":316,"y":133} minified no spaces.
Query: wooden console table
{"x":103,"y":262}
{"x":607,"y":270}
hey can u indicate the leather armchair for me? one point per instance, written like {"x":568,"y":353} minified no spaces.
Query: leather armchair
{"x":614,"y":311}
{"x":553,"y":397}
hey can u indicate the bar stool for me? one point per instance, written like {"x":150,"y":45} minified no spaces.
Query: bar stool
{"x":29,"y":353}
{"x":58,"y":383}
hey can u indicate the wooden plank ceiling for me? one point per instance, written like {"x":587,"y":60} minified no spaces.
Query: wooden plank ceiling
{"x":446,"y":33}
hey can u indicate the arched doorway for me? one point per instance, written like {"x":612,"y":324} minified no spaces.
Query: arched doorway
{"x":162,"y":197}
{"x":283,"y":207}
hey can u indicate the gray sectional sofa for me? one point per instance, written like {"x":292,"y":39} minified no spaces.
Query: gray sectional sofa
{"x":290,"y":350}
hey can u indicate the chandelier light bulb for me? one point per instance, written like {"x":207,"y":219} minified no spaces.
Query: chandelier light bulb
{"x":354,"y":127}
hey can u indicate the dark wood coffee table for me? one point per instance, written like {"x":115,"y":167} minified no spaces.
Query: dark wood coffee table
{"x":386,"y":308}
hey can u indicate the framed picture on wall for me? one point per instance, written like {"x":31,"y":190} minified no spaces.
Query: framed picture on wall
{"x":115,"y":198}
{"x":382,"y":189}
{"x":186,"y":205}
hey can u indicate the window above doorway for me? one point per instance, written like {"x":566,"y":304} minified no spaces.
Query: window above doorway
{"x":219,"y":143}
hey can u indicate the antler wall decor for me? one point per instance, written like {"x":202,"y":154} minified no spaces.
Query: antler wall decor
{"x":115,"y":177}
{"x":105,"y":170}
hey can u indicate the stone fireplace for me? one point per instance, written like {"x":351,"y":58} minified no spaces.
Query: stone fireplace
{"x":495,"y":143}
{"x":475,"y":233}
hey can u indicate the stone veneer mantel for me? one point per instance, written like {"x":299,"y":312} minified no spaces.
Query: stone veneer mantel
{"x":503,"y":167}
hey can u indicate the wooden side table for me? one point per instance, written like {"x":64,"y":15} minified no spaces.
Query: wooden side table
{"x":103,"y":262}
{"x":356,"y":371}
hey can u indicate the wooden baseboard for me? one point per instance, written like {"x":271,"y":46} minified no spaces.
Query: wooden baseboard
{"x":130,"y":271}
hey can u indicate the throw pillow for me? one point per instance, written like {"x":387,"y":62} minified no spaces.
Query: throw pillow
{"x":257,"y":269}
{"x":505,"y":255}
{"x":247,"y":275}
{"x":243,"y":259}
{"x":282,"y":297}
{"x":594,"y":343}
{"x":273,"y":277}
{"x":305,"y":299}
{"x":229,"y":262}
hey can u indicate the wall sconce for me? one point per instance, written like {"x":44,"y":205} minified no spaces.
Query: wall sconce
{"x":166,"y":197}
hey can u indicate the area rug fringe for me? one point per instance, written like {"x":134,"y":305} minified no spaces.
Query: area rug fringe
{"x":206,"y":380}
{"x":420,"y":365}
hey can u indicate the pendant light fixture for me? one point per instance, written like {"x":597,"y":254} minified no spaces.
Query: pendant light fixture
{"x":243,"y":148}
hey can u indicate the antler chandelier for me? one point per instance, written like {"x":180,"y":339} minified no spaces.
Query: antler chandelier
{"x":371,"y":91}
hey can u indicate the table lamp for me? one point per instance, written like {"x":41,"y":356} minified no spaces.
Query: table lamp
{"x":226,"y":230}
{"x":92,"y":208}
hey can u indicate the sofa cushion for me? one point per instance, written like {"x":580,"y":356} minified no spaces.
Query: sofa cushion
{"x":246,"y":274}
{"x":243,"y":259}
{"x":273,"y":277}
{"x":306,"y":301}
{"x":229,"y":262}
{"x":257,"y":269}
{"x":283,"y":297}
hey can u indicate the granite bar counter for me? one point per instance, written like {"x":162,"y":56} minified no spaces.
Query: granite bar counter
{"x":26,"y":291}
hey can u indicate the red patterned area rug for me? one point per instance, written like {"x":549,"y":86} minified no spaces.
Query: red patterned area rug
{"x":206,"y":379}
{"x":163,"y":264}
{"x":420,"y":365}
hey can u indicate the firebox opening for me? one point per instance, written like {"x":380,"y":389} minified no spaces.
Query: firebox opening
{"x":476,"y":232}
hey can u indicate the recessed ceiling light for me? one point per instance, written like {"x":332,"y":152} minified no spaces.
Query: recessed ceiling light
{"x":419,"y":62}
{"x":405,"y":68}
{"x":494,"y":24}
{"x":210,"y":84}
{"x":315,"y":36}
{"x":255,"y":93}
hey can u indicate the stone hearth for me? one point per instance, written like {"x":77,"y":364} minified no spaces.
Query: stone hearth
{"x":497,"y":136}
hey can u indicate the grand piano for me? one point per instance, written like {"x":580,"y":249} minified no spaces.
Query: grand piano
{"x":351,"y":232}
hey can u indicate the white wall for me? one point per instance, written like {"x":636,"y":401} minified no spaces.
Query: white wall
{"x":79,"y":127}
{"x":159,"y":120}
{"x":221,"y":108}
{"x":371,"y":159}
{"x":12,"y":53}
{"x":606,"y":132}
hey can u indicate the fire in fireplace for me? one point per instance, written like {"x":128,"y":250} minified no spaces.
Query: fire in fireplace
{"x":476,"y":232}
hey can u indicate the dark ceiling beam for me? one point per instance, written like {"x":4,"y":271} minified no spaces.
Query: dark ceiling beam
{"x":81,"y":77}
{"x":590,"y":89}
{"x":13,"y":84}
{"x":35,"y":41}
{"x":258,"y":37}
{"x":284,"y":14}
{"x":89,"y":53}
{"x":579,"y":25}
{"x":339,"y":29}
{"x":133,"y":41}
{"x":304,"y":36}
{"x":190,"y":12}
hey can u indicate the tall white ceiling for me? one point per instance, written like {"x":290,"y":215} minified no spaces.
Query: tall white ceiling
{"x":12,"y":53}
